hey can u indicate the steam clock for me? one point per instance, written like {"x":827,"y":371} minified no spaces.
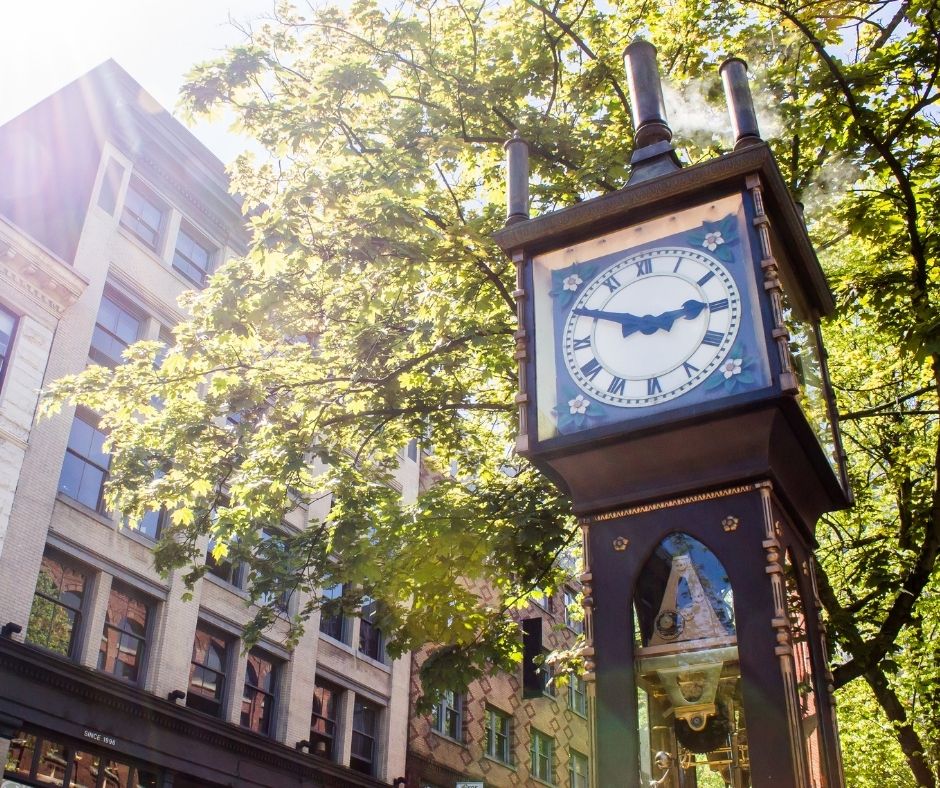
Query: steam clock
{"x":672,"y":382}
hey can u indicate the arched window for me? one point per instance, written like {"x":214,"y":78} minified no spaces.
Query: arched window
{"x":688,"y":679}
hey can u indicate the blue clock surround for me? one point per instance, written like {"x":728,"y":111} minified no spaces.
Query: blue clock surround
{"x":745,"y":371}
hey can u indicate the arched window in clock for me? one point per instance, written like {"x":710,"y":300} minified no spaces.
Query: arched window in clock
{"x":687,"y":674}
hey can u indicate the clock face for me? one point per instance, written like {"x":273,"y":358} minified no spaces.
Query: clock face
{"x":651,"y":326}
{"x":650,"y":318}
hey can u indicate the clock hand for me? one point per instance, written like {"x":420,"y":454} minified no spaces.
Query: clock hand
{"x":629,"y":323}
{"x":690,"y":310}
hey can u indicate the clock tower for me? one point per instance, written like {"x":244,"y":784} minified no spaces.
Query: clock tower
{"x":672,"y":382}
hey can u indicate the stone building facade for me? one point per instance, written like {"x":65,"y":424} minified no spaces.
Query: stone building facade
{"x":109,"y":210}
{"x":509,"y":730}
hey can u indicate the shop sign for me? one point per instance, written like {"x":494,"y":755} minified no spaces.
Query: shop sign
{"x":100,"y":738}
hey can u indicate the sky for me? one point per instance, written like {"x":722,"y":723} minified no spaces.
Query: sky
{"x":45,"y":44}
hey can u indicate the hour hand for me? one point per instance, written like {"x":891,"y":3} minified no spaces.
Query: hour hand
{"x":688,"y":311}
{"x":628,"y":323}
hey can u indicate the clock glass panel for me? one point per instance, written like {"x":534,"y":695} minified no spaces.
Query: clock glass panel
{"x":646,"y":319}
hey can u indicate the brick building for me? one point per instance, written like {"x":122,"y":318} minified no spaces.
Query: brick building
{"x":109,"y":210}
{"x":508,"y":730}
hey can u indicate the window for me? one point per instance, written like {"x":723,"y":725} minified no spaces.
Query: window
{"x":571,"y":608}
{"x":143,"y":214}
{"x":115,"y":329}
{"x":370,"y":636}
{"x":226,"y":568}
{"x":323,"y":719}
{"x":192,"y":257}
{"x":364,"y":727}
{"x":56,"y":616}
{"x":270,"y":550}
{"x":447,"y":717}
{"x":85,"y":468}
{"x":498,"y":735}
{"x":124,"y":639}
{"x":577,"y":695}
{"x":259,"y":693}
{"x":7,"y":327}
{"x":43,"y":761}
{"x":207,"y":672}
{"x":152,"y":523}
{"x":332,"y":620}
{"x":577,"y":770}
{"x":110,"y":186}
{"x":543,"y":753}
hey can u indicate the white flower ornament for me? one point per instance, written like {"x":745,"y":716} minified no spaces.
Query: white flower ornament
{"x":713,"y":240}
{"x":572,"y":282}
{"x":578,"y":405}
{"x":731,"y":368}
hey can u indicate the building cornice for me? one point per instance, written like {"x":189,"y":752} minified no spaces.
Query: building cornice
{"x":36,"y":272}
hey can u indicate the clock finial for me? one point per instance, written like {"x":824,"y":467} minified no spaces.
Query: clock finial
{"x":517,"y":178}
{"x":653,"y":154}
{"x":740,"y":105}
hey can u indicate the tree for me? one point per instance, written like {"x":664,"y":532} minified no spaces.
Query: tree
{"x":373,"y":307}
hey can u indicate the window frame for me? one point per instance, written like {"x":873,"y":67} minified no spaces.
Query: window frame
{"x":78,"y":621}
{"x":449,"y":709}
{"x":145,"y":193}
{"x":99,"y":356}
{"x":91,"y":420}
{"x":541,"y":750}
{"x":6,"y":353}
{"x":331,"y":723}
{"x":201,"y":240}
{"x":345,"y":630}
{"x":570,"y":599}
{"x":373,"y":634}
{"x":144,"y":640}
{"x":492,"y":736}
{"x":372,"y":736}
{"x":577,"y":688}
{"x":224,"y":673}
{"x":577,"y":779}
{"x":269,"y":711}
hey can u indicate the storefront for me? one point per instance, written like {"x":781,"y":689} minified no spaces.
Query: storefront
{"x":62,"y":724}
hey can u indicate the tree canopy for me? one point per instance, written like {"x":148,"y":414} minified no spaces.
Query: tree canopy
{"x":373,"y":308}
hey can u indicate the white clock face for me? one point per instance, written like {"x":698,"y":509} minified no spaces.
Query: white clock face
{"x":651,"y":327}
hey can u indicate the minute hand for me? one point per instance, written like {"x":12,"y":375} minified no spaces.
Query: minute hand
{"x":628,"y":323}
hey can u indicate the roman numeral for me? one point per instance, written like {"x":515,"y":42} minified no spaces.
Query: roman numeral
{"x":611,"y":283}
{"x":591,"y":369}
{"x":644,"y":267}
{"x":581,"y":344}
{"x":689,"y":369}
{"x":653,"y":387}
{"x":704,"y":279}
{"x":713,"y":338}
{"x":717,"y":306}
{"x":616,"y":386}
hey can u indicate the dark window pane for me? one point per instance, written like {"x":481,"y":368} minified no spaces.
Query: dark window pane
{"x":192,"y":258}
{"x":207,"y":672}
{"x":123,"y":639}
{"x":365,"y":719}
{"x":85,"y":466}
{"x":258,"y":694}
{"x":115,"y":329}
{"x":142,"y":215}
{"x":7,"y":327}
{"x":20,"y":757}
{"x":85,"y":768}
{"x":370,"y":636}
{"x":52,"y":762}
{"x":332,"y":620}
{"x":57,"y":604}
{"x":323,"y":718}
{"x":151,"y":524}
